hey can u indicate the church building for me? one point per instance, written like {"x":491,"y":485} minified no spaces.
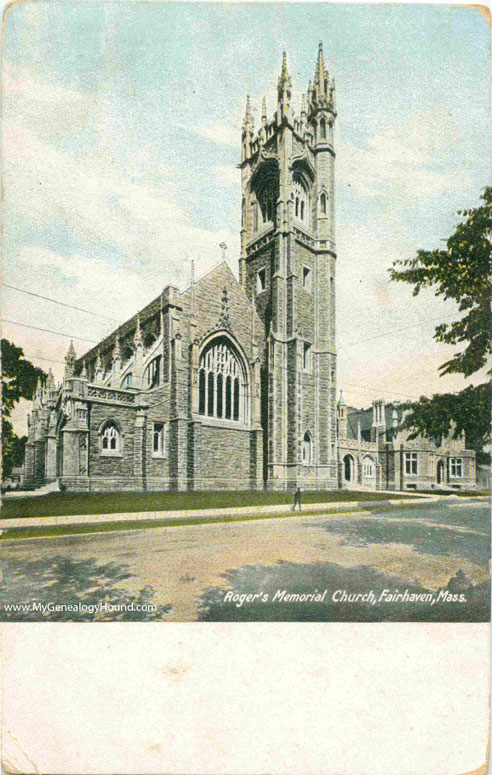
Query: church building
{"x":229,"y":384}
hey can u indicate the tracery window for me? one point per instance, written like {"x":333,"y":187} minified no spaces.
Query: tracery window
{"x":110,"y":438}
{"x":222,"y":383}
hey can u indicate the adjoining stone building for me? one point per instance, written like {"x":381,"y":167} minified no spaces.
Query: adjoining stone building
{"x":376,"y":453}
{"x":230,"y":385}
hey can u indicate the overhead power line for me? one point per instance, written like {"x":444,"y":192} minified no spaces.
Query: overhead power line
{"x":61,"y":303}
{"x":48,"y":331}
{"x":393,"y":331}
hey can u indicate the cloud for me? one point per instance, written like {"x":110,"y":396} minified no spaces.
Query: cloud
{"x":229,"y":175}
{"x":144,"y":222}
{"x":408,"y":162}
{"x":19,"y":81}
{"x":220,"y":132}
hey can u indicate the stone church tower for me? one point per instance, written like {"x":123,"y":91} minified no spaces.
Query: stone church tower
{"x":287,"y":267}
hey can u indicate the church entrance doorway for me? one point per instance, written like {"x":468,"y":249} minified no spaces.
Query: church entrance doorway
{"x":348,"y":468}
{"x":440,"y":472}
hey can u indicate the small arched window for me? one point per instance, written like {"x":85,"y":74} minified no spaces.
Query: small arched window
{"x":110,"y":438}
{"x":322,"y":129}
{"x":322,"y":202}
{"x":301,"y":198}
{"x":368,"y":468}
{"x":307,"y":449}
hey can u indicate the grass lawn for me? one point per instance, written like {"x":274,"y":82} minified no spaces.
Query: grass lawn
{"x":145,"y":524}
{"x":460,"y":493}
{"x":57,"y":504}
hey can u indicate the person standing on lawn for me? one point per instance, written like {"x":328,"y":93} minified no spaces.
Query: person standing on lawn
{"x":297,"y":499}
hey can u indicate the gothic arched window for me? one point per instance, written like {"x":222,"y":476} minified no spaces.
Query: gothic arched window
{"x":127,"y":381}
{"x":307,"y":449}
{"x":264,"y":186}
{"x":268,"y":203}
{"x":222,"y":382}
{"x":152,"y":374}
{"x":322,"y":129}
{"x":110,"y":439}
{"x":322,"y":203}
{"x":301,"y":198}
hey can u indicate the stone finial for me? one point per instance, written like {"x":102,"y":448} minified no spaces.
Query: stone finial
{"x":116,"y":350}
{"x":341,"y":400}
{"x":83,"y":373}
{"x":50,"y":380}
{"x":70,"y":359}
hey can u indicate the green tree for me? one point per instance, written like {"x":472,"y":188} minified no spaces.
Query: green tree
{"x":460,"y":272}
{"x":19,"y":380}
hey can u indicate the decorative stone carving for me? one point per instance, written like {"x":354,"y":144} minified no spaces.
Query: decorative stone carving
{"x":109,"y":394}
{"x":224,"y":321}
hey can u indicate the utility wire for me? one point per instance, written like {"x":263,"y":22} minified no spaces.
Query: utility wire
{"x":393,"y":331}
{"x":62,"y":303}
{"x":48,"y":331}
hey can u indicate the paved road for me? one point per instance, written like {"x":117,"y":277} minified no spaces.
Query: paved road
{"x":436,"y":557}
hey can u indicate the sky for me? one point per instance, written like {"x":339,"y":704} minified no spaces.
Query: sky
{"x":121,"y":131}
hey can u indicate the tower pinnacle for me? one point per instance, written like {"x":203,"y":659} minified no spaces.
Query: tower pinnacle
{"x":263,"y":111}
{"x":321,"y":95}
{"x":70,"y":359}
{"x":284,"y":81}
{"x":284,"y":91}
{"x":248,"y":116}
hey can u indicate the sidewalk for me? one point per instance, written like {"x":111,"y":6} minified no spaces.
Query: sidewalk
{"x":201,"y":513}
